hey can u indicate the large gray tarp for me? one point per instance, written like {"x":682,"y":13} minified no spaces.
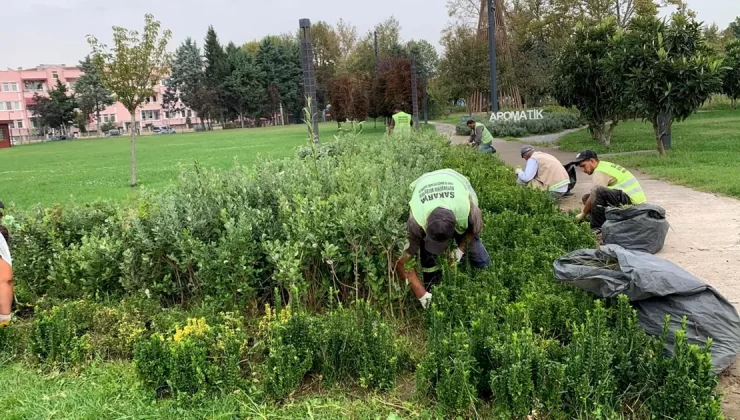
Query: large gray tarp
{"x":640,"y":228}
{"x":657,"y":288}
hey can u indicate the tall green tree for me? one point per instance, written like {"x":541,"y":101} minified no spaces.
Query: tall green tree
{"x":733,"y":29}
{"x":242,"y":89}
{"x":92,"y":96}
{"x":588,"y":79}
{"x":731,"y":74}
{"x":132,"y":68}
{"x":326,"y":57}
{"x":279,"y":66}
{"x":216,"y":69}
{"x":463,"y":68}
{"x":672,"y":70}
{"x":56,"y":111}
{"x":187,"y":81}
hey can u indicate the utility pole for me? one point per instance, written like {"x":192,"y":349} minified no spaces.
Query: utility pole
{"x":309,"y":81}
{"x":492,"y":54}
{"x":282,"y":116}
{"x":414,"y":95}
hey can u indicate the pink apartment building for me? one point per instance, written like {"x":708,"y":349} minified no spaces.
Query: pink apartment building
{"x":17,"y":88}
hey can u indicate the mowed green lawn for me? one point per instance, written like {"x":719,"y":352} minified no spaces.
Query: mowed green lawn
{"x":705,"y":153}
{"x":87,"y":170}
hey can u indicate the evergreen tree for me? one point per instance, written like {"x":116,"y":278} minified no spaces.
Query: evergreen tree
{"x":92,"y":96}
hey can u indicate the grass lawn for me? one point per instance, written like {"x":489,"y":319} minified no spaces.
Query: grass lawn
{"x":88,"y":170}
{"x":705,"y":153}
{"x":111,"y":390}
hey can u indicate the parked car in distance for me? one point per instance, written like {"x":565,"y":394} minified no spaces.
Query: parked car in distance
{"x":113,"y":133}
{"x":163,"y":129}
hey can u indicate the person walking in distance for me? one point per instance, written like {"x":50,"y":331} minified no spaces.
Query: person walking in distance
{"x":613,"y":186}
{"x":444,"y":208}
{"x":401,"y":121}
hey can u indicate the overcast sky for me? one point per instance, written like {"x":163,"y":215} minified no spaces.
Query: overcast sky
{"x":53,"y":31}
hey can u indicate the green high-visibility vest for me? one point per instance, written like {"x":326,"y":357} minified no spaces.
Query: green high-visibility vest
{"x":486,"y":136}
{"x":626,"y":182}
{"x":402,"y":122}
{"x":444,"y":188}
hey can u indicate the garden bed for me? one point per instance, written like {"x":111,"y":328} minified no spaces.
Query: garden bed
{"x":555,"y":120}
{"x":246,"y":285}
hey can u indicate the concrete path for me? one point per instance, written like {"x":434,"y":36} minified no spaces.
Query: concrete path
{"x":704,"y":238}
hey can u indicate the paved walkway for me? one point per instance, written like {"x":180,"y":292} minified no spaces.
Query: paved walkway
{"x":704,"y":238}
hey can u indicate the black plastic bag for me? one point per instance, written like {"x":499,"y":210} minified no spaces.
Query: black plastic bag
{"x":639,"y":228}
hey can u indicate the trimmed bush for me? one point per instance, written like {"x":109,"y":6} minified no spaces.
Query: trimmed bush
{"x":554,"y":120}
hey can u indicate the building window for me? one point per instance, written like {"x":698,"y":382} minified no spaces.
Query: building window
{"x":1,"y":106}
{"x":19,"y":124}
{"x":8,"y":106}
{"x":113,"y":118}
{"x":14,"y":87}
{"x":55,"y":75}
{"x":17,"y":105}
{"x":105,"y":118}
{"x":11,"y":124}
{"x":6,"y":87}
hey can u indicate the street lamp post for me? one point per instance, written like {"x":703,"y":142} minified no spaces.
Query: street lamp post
{"x":492,"y":53}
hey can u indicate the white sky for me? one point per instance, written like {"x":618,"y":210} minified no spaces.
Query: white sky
{"x":53,"y":31}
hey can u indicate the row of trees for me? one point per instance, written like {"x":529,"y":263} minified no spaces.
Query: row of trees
{"x":653,"y":69}
{"x":535,"y":33}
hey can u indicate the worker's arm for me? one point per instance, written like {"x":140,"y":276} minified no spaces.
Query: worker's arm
{"x":475,"y":226}
{"x":414,"y":235}
{"x":598,"y":179}
{"x":416,"y":287}
{"x":391,"y":126}
{"x":6,"y":282}
{"x":529,"y":172}
{"x":477,"y":135}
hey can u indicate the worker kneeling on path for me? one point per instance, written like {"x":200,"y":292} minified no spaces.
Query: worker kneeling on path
{"x":544,"y":172}
{"x":613,"y":186}
{"x":443,"y":207}
{"x":480,"y":137}
{"x":401,"y":121}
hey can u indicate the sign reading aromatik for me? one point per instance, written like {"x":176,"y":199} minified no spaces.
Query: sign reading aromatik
{"x":529,"y":114}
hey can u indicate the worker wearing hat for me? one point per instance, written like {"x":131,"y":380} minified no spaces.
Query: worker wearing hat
{"x":543,"y":171}
{"x":443,"y":207}
{"x":480,"y":137}
{"x":613,"y":186}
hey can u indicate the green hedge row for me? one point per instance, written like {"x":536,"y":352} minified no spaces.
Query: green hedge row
{"x":325,"y":228}
{"x":554,"y":121}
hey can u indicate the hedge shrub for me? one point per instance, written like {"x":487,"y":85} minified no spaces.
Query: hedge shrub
{"x":554,"y":121}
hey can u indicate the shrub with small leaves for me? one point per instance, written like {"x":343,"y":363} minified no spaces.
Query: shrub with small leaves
{"x":61,"y":335}
{"x":196,"y":360}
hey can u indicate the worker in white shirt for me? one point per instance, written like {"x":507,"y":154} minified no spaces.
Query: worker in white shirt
{"x":543,"y":171}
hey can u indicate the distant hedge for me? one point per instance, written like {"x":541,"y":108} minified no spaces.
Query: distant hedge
{"x":555,"y":120}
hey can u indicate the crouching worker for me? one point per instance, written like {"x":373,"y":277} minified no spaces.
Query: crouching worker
{"x":443,"y":207}
{"x":544,"y":172}
{"x":6,"y":279}
{"x":613,"y":186}
{"x":480,"y":137}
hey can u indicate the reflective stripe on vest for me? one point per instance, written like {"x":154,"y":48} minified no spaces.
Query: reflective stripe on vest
{"x":446,"y":189}
{"x":559,"y":184}
{"x":486,"y":136}
{"x":402,"y":122}
{"x":626,"y":182}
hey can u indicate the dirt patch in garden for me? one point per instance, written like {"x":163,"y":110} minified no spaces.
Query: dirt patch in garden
{"x":704,"y":238}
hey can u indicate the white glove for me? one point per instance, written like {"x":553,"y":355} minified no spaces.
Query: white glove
{"x":458,"y":254}
{"x":518,"y":171}
{"x":580,"y":216}
{"x":426,"y":300}
{"x":5,"y":319}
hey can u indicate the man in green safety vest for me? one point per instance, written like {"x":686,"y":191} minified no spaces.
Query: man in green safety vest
{"x":613,"y":186}
{"x":480,"y":137}
{"x":401,"y":121}
{"x":443,"y":207}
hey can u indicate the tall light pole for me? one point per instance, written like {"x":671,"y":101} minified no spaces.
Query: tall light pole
{"x":492,"y":53}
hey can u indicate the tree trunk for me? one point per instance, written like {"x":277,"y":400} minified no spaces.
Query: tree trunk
{"x":734,"y":103}
{"x":658,"y":137}
{"x":100,"y":131}
{"x":241,"y":117}
{"x":133,"y":148}
{"x":605,"y":140}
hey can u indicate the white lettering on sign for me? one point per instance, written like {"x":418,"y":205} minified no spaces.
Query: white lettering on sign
{"x":530,"y":114}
